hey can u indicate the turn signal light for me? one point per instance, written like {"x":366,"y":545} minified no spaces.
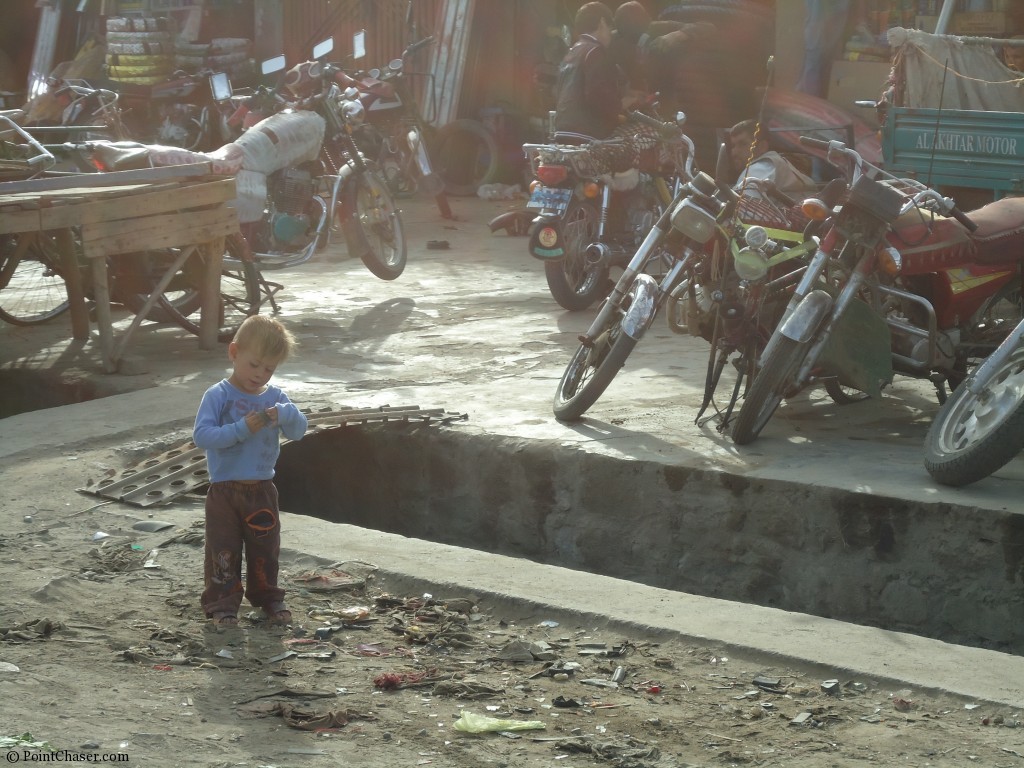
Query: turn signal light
{"x":591,"y":190}
{"x":815,"y":210}
{"x":890,"y":261}
{"x":552,"y":175}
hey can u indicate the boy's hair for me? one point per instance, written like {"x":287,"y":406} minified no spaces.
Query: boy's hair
{"x":265,"y":337}
{"x":588,"y":18}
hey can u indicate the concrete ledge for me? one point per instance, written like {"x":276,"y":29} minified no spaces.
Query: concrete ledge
{"x":836,"y":646}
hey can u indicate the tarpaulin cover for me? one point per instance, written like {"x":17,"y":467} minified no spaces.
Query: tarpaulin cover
{"x":952,"y":72}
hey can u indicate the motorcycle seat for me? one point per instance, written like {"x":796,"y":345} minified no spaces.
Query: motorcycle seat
{"x":999,"y":237}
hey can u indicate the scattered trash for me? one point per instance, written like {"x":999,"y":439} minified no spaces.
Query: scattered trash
{"x":600,"y":683}
{"x":438,"y":245}
{"x":151,"y":560}
{"x":152,"y":526}
{"x":773,"y":684}
{"x":100,"y":536}
{"x":303,"y":717}
{"x":24,"y":741}
{"x":618,"y":675}
{"x":224,"y":653}
{"x":800,"y":719}
{"x":27,"y":518}
{"x":282,"y":657}
{"x":515,"y":650}
{"x":6,"y":666}
{"x":499,"y":191}
{"x":830,"y":687}
{"x":469,"y":722}
{"x":316,"y":655}
{"x":35,"y":629}
{"x":550,"y":624}
{"x":327,"y":581}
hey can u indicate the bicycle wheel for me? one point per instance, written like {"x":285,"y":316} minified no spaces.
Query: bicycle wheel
{"x":136,"y":275}
{"x":239,"y":292}
{"x":32,"y":288}
{"x":465,"y":156}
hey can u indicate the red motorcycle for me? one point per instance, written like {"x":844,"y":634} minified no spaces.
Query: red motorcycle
{"x":394,"y":133}
{"x":902,"y":281}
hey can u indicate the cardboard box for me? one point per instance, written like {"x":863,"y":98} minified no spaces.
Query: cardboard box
{"x":989,"y":24}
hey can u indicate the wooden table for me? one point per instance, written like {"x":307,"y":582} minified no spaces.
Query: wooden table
{"x":127,"y":212}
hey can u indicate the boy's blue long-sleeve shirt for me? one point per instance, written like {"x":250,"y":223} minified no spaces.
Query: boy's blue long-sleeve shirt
{"x":232,"y":451}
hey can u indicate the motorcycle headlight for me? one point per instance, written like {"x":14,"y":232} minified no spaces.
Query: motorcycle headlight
{"x":693,"y":221}
{"x":352,"y":112}
{"x":750,"y":265}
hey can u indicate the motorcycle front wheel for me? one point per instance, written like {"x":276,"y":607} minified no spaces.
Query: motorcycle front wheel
{"x":770,"y":385}
{"x":591,"y":370}
{"x":573,"y":283}
{"x":974,"y":435}
{"x":373,"y":228}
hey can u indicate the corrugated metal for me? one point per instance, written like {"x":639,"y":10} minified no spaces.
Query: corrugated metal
{"x":384,"y":21}
{"x":450,"y":58}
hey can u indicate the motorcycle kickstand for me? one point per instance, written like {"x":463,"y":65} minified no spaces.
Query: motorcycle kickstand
{"x":939,"y":381}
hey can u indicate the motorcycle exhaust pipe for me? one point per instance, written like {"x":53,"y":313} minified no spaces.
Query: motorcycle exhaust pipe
{"x":598,"y":255}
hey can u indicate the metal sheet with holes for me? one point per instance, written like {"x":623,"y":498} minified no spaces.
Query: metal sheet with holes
{"x":182,"y":469}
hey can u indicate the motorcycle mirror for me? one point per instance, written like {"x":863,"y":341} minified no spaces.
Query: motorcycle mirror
{"x":322,"y":48}
{"x":395,"y":64}
{"x":276,"y":64}
{"x":220,"y":86}
{"x":359,"y":44}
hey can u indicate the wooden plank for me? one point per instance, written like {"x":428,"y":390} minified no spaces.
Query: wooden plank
{"x":209,"y":319}
{"x":114,"y":178}
{"x":14,"y":220}
{"x":139,"y":205}
{"x":152,"y":232}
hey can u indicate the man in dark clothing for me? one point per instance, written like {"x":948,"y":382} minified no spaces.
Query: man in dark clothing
{"x":590,"y":87}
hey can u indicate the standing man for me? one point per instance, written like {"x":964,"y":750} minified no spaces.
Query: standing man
{"x":590,"y":85}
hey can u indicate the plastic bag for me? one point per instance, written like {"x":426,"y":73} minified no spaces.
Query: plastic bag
{"x":470,"y":723}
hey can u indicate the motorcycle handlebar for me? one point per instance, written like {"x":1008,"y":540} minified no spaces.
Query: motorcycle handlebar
{"x":963,"y":218}
{"x":807,"y":141}
{"x":666,"y":130}
{"x":429,"y":40}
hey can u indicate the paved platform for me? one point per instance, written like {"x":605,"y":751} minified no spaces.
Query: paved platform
{"x":473,"y":329}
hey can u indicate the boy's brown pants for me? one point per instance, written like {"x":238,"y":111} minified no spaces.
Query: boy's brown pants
{"x":237,"y":515}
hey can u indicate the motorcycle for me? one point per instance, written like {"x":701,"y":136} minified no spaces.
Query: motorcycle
{"x":674,"y":248}
{"x":301,"y":170}
{"x":394,"y":130}
{"x":902,"y":281}
{"x":573,"y":196}
{"x":980,"y":427}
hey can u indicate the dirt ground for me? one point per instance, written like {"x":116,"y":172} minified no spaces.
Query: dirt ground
{"x":105,"y":651}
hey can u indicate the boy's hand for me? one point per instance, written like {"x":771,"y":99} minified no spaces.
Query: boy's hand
{"x":257,"y":420}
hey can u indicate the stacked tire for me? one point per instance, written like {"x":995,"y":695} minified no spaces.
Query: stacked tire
{"x":140,"y":50}
{"x":222,"y":54}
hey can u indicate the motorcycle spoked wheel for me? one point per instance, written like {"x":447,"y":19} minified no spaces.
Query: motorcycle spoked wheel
{"x":591,"y":369}
{"x":972,"y":436}
{"x":842,"y":394}
{"x":573,"y":283}
{"x":373,"y":228}
{"x":240,"y":292}
{"x":770,"y":385}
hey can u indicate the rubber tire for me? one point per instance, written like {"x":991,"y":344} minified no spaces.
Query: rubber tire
{"x":844,"y":395}
{"x":450,"y":145}
{"x":361,"y":237}
{"x":571,"y":408}
{"x":32,"y":271}
{"x":246,"y":302}
{"x":767,"y":390}
{"x":565,"y":288}
{"x":997,"y":444}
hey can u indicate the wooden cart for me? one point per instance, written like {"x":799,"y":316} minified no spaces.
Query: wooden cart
{"x":124,"y":212}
